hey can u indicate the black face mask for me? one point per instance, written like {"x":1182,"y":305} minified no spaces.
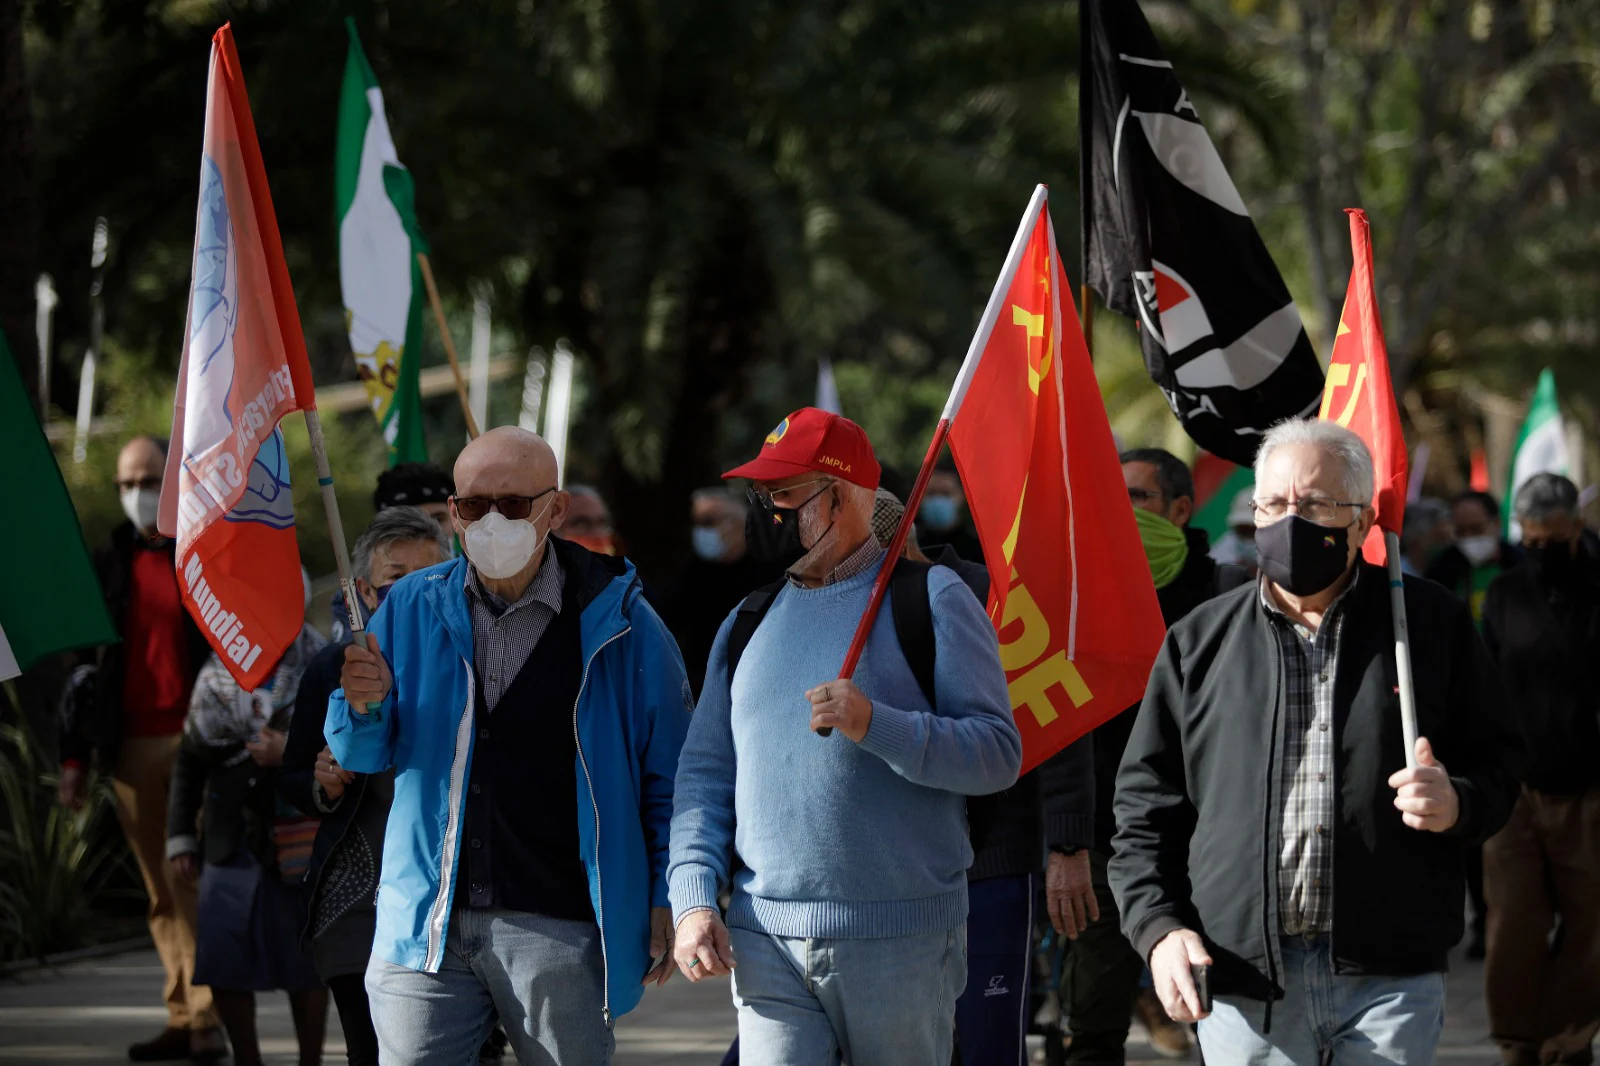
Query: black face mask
{"x":1553,"y":564}
{"x":1301,"y":556}
{"x":772,"y":534}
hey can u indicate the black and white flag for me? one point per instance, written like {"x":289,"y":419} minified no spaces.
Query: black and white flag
{"x":1168,"y":242}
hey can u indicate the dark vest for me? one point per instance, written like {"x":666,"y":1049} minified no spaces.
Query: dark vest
{"x":519,"y":842}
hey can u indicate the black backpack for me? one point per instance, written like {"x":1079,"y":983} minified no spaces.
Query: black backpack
{"x":913,"y":626}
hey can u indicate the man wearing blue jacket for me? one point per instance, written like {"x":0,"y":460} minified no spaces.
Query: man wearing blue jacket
{"x":533,"y":707}
{"x":836,"y":809}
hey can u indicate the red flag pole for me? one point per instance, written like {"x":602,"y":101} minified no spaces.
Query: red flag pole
{"x":958,"y":392}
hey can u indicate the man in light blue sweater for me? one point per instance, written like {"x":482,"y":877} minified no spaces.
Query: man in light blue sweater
{"x":847,"y":853}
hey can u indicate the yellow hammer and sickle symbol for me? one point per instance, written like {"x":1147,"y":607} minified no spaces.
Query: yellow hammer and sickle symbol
{"x":1338,"y":378}
{"x":1038,"y":357}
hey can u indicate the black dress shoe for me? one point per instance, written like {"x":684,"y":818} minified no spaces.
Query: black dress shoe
{"x":171,"y":1046}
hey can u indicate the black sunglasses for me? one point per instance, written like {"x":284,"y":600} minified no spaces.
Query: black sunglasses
{"x":516,"y":508}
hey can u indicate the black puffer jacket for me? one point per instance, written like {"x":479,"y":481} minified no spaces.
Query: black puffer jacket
{"x":1199,"y":796}
{"x":91,"y":719}
{"x":1547,"y":641}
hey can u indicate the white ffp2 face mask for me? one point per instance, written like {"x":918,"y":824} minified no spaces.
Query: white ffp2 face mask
{"x":141,"y":505}
{"x":499,"y":547}
{"x":1479,"y":549}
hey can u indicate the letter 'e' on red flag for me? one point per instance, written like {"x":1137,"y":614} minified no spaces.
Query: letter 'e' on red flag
{"x":226,"y":496}
{"x":1070,"y":590}
{"x":1359,"y":393}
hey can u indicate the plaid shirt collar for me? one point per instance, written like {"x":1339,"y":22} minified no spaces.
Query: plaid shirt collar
{"x":857,"y":562}
{"x":1276,"y":613}
{"x":545,"y":587}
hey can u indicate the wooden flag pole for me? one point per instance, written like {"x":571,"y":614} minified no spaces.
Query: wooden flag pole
{"x":1402,"y":648}
{"x":449,"y":344}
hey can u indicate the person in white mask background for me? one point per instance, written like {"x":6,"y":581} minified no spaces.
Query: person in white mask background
{"x":721,"y":572}
{"x":532,"y":705}
{"x":124,"y":712}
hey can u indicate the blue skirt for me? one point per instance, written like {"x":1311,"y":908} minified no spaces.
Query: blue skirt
{"x":249,"y":930}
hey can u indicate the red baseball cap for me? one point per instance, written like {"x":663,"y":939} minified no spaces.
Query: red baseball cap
{"x":814,"y":440}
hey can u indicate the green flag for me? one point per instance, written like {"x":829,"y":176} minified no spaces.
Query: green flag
{"x":1541,"y":445}
{"x":53,"y":603}
{"x":378,"y":271}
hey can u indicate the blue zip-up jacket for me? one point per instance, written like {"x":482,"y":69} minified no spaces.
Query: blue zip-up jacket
{"x":630,"y":719}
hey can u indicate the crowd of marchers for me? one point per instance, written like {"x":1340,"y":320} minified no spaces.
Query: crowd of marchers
{"x":523,"y":783}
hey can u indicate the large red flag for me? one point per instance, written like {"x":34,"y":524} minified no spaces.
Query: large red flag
{"x":226,"y":495}
{"x":1359,"y":393}
{"x":1070,"y":589}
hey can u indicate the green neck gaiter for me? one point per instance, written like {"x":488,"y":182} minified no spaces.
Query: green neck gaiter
{"x":1164,"y":545}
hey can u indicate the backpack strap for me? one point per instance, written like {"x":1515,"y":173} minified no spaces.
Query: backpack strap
{"x":913,"y":622}
{"x":751,"y":612}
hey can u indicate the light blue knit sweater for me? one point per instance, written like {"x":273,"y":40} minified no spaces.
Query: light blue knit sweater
{"x":833,"y":838}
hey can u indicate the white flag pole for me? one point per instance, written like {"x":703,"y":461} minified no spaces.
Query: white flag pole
{"x":44,"y":298}
{"x":478,"y":379}
{"x":558,"y":408}
{"x":1402,"y":648}
{"x":330,"y":504}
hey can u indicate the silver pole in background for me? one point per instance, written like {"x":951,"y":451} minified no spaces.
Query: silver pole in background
{"x":558,"y":410}
{"x":44,"y":302}
{"x":97,"y":325}
{"x":533,"y":389}
{"x":330,"y":504}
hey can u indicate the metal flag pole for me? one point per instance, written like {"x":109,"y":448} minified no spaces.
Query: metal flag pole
{"x":449,"y":343}
{"x":1402,"y":648}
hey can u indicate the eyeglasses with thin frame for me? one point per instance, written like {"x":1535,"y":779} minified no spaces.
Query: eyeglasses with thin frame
{"x":1318,"y":509}
{"x":769,"y":500}
{"x":516,"y":508}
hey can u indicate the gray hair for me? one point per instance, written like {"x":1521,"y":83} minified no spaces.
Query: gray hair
{"x":1347,"y":451}
{"x":1423,"y":516}
{"x":391,"y":526}
{"x":586,"y":490}
{"x":1543,"y":496}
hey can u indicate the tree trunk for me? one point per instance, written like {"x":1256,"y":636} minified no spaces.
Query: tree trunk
{"x":18,"y":217}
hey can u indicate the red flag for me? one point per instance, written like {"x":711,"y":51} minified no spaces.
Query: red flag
{"x":226,"y":495}
{"x":1070,"y":589}
{"x":1360,"y":393}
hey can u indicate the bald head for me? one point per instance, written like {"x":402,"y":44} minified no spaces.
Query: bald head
{"x":141,"y":459}
{"x":505,"y":461}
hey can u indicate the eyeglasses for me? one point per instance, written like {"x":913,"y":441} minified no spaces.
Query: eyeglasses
{"x":516,"y":508}
{"x":1318,"y":509}
{"x":124,"y":484}
{"x":782,"y":497}
{"x":1144,"y":495}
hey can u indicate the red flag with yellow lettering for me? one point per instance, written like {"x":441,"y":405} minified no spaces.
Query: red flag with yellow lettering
{"x":1070,"y":589}
{"x":1359,"y":393}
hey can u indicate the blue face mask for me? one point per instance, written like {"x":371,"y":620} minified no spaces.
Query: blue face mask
{"x":708,"y":543}
{"x":939,"y":513}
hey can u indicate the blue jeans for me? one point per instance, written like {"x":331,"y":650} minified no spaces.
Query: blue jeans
{"x":886,"y":1002}
{"x":542,"y":977}
{"x":992,"y":1014}
{"x":1343,"y":1020}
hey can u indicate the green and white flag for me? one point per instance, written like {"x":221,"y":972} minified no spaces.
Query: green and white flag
{"x":52,"y":603}
{"x":378,"y":271}
{"x":1541,"y":445}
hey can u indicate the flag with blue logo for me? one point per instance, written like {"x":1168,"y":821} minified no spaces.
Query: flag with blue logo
{"x":226,"y":497}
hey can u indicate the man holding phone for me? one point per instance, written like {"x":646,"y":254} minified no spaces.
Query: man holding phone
{"x":1273,"y":853}
{"x":532,"y":706}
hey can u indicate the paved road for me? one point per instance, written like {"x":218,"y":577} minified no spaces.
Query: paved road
{"x":88,"y":1012}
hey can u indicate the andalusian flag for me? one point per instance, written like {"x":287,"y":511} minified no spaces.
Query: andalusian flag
{"x":53,"y":603}
{"x":1541,"y":446}
{"x":378,"y":271}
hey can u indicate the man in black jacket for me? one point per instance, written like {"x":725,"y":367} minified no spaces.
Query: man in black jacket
{"x":1542,"y":872}
{"x":129,"y":721}
{"x":1267,"y":825}
{"x":1101,"y":979}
